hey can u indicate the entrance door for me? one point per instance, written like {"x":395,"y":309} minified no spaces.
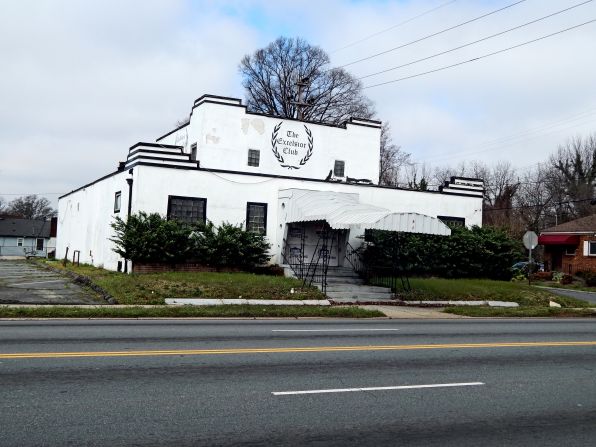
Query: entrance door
{"x":310,"y":236}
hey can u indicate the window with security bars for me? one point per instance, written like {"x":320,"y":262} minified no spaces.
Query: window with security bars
{"x":187,"y":209}
{"x":256,"y":217}
{"x":339,"y":168}
{"x":254,"y":157}
{"x":453,"y":221}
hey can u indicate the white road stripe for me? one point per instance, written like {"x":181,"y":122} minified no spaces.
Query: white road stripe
{"x":376,"y":388}
{"x":36,"y":282}
{"x":330,"y":330}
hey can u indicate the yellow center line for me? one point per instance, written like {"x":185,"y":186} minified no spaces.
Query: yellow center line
{"x":229,"y":351}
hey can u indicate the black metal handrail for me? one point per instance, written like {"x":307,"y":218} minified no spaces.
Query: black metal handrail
{"x":355,"y":260}
{"x":287,"y":261}
{"x":381,"y":275}
{"x":310,"y":272}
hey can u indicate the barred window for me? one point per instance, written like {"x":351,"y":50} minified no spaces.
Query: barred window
{"x":187,"y":209}
{"x":339,"y":168}
{"x":254,"y":157}
{"x":453,"y":221}
{"x":256,"y":217}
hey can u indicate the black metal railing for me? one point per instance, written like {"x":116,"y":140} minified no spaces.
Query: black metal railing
{"x":315,"y":271}
{"x":389,"y":276}
{"x":355,"y":260}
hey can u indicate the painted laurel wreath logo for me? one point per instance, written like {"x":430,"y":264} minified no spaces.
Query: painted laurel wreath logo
{"x":280,"y":157}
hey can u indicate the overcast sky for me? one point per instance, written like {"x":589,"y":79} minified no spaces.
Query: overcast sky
{"x":80,"y":82}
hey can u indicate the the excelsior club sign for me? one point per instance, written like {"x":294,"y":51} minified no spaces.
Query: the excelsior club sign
{"x":291,"y":145}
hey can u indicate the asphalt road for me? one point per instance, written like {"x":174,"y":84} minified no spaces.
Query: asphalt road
{"x":186,"y":383}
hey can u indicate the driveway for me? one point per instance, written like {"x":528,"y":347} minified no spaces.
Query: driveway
{"x":590,"y":297}
{"x":22,"y":282}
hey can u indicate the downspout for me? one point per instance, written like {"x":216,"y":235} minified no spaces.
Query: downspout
{"x":129,"y":181}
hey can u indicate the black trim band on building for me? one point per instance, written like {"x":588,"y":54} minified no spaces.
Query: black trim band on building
{"x":258,"y":174}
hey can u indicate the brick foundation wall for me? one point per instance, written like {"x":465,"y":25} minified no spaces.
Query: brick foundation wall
{"x":161,"y":268}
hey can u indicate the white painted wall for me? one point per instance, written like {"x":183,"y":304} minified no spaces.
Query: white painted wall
{"x":84,"y":219}
{"x":84,"y":216}
{"x":224,"y":133}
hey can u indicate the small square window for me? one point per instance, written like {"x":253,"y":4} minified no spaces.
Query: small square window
{"x":117,"y":201}
{"x":256,"y":217}
{"x":339,"y":168}
{"x":20,"y":242}
{"x":254,"y":157}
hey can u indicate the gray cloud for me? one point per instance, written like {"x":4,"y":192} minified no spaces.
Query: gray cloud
{"x":83,"y":81}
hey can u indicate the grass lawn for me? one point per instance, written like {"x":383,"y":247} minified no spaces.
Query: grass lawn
{"x":187,"y":312}
{"x":436,"y":289}
{"x":535,"y":311}
{"x":152,"y":288}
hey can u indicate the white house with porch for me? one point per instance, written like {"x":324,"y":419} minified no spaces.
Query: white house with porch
{"x":286,"y":178}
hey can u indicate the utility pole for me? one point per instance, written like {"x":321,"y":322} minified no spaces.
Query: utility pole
{"x":300,"y":103}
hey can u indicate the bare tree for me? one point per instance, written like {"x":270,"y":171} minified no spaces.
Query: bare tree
{"x":574,"y":170}
{"x":271,"y":76}
{"x":417,"y":176}
{"x":535,"y":200}
{"x":392,"y":158}
{"x":31,"y":207}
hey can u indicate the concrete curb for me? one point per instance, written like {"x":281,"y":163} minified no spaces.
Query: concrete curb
{"x":428,"y":303}
{"x":462,"y":303}
{"x":239,"y":301}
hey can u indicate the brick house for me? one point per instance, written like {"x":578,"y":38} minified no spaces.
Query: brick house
{"x":570,"y":247}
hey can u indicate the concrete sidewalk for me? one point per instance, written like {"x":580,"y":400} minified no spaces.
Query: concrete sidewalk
{"x":409,"y":312}
{"x":406,"y":312}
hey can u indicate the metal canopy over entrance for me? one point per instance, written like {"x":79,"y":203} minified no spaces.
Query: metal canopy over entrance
{"x":344,"y":211}
{"x":319,"y":225}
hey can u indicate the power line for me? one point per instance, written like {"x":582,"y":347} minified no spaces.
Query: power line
{"x":565,"y":202}
{"x":394,"y":26}
{"x":433,"y":34}
{"x":481,"y":57}
{"x":511,"y":141}
{"x":476,"y":41}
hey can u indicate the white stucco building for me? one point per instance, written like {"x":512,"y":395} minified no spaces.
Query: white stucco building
{"x":284,"y":177}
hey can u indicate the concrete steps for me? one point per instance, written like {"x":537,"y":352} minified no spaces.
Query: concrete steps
{"x":344,"y":285}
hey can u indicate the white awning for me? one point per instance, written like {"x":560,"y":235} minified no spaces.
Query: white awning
{"x":344,"y":211}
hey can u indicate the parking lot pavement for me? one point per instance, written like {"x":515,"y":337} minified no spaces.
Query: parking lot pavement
{"x":22,"y":282}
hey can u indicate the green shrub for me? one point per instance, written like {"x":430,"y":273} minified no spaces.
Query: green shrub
{"x":468,"y":253}
{"x":588,"y":277}
{"x":230,"y":246}
{"x":151,"y":238}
